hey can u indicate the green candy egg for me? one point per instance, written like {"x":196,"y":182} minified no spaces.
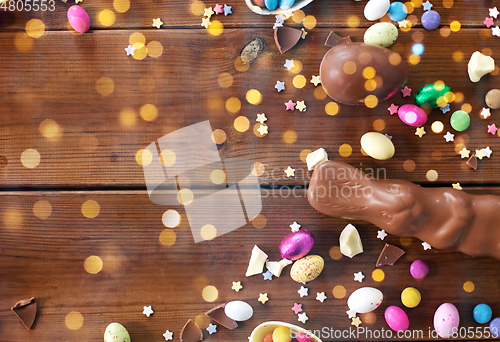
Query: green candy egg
{"x":429,"y":94}
{"x":460,"y":120}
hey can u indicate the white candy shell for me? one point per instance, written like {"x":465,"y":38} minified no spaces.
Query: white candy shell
{"x":365,"y":299}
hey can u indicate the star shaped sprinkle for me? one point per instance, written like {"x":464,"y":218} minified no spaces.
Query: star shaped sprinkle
{"x":228,"y":10}
{"x":427,"y":5}
{"x":168,"y":335}
{"x":358,"y":276}
{"x":448,"y":136}
{"x":263,"y":298}
{"x":205,"y":22}
{"x":315,"y":80}
{"x":445,"y":109}
{"x":208,"y":12}
{"x":77,"y":1}
{"x":456,"y":186}
{"x":485,"y":113}
{"x":495,"y":31}
{"x":303,"y":291}
{"x":301,"y":106}
{"x":267,"y":275}
{"x":157,"y":23}
{"x":218,"y":9}
{"x":492,"y":129}
{"x":426,"y":246}
{"x":480,"y":154}
{"x":381,"y":234}
{"x":403,"y":23}
{"x":320,"y":296}
{"x":493,"y":12}
{"x":356,"y":321}
{"x":420,"y":132}
{"x":487,"y":151}
{"x":212,"y":328}
{"x":289,"y":64}
{"x":290,"y":105}
{"x":304,"y":33}
{"x":261,"y":118}
{"x":280,"y":86}
{"x":351,"y":313}
{"x":289,"y":172}
{"x":147,"y":311}
{"x":280,"y":19}
{"x":488,"y":21}
{"x":393,"y":109}
{"x":262,"y":129}
{"x":130,"y":50}
{"x":295,"y":227}
{"x":236,"y":286}
{"x":464,"y":153}
{"x":297,"y":308}
{"x":303,"y":317}
{"x":406,"y":91}
{"x":277,"y":25}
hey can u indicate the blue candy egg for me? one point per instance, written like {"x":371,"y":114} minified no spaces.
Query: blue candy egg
{"x":482,"y":313}
{"x":430,"y":20}
{"x":495,"y":327}
{"x":271,"y":4}
{"x":286,"y":4}
{"x":397,"y":11}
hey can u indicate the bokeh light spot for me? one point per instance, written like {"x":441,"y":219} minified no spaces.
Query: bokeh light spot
{"x":303,"y":155}
{"x":93,"y":264}
{"x":148,"y":112}
{"x":319,"y":93}
{"x":241,"y":63}
{"x":217,"y":176}
{"x":259,"y":221}
{"x":106,"y":17}
{"x":154,"y":49}
{"x":171,"y":218}
{"x":299,"y":81}
{"x":437,"y":127}
{"x":23,"y":42}
{"x":225,"y":80}
{"x":309,"y":22}
{"x":379,"y":125}
{"x":127,"y":117}
{"x":431,"y":175}
{"x":241,"y":124}
{"x":137,"y":40}
{"x":167,"y":237}
{"x":290,"y":136}
{"x":335,"y":253}
{"x":42,"y":209}
{"x":143,"y":157}
{"x":208,"y":232}
{"x":254,"y":96}
{"x":345,"y":150}
{"x":455,"y":26}
{"x":185,"y":197}
{"x":378,"y":275}
{"x":469,"y":286}
{"x":35,"y":28}
{"x":210,"y":293}
{"x":104,"y":86}
{"x":353,"y":21}
{"x":339,"y":292}
{"x":233,"y":104}
{"x":90,"y":209}
{"x":332,"y":108}
{"x":49,"y":128}
{"x":219,"y":136}
{"x":121,"y":6}
{"x":409,"y":165}
{"x":216,"y":28}
{"x":349,"y":67}
{"x":74,"y":320}
{"x":30,"y":158}
{"x":371,"y":101}
{"x":369,"y":72}
{"x":197,"y":7}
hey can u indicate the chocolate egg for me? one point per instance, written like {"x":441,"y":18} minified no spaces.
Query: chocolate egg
{"x":345,"y":69}
{"x":296,"y":245}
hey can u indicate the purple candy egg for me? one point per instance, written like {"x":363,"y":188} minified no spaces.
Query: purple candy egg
{"x":419,"y":269}
{"x":430,"y":20}
{"x":296,"y":245}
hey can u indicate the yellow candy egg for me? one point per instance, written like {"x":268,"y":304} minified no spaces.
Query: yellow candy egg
{"x":282,"y":334}
{"x":410,"y":297}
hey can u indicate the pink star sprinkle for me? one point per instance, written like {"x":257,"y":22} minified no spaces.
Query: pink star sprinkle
{"x":393,"y":109}
{"x":492,"y":129}
{"x":290,"y":105}
{"x":488,"y":21}
{"x":406,"y":91}
{"x":218,"y":9}
{"x":297,"y":308}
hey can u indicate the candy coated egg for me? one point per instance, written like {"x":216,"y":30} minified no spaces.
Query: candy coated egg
{"x":410,"y":297}
{"x":446,"y":319}
{"x":495,"y":327}
{"x":296,"y":245}
{"x":381,"y":34}
{"x":78,"y":18}
{"x":286,"y":4}
{"x":482,"y":313}
{"x":341,"y":72}
{"x":432,"y":95}
{"x":376,"y":9}
{"x":377,"y":145}
{"x":259,"y":3}
{"x":268,"y":337}
{"x":430,"y":20}
{"x":460,"y":120}
{"x":419,"y":269}
{"x":412,"y":115}
{"x":396,"y":318}
{"x":307,"y":268}
{"x":365,"y":299}
{"x":397,"y":11}
{"x":492,"y":98}
{"x":271,"y":4}
{"x":116,"y":332}
{"x":282,"y":334}
{"x":238,"y":310}
{"x":303,"y":337}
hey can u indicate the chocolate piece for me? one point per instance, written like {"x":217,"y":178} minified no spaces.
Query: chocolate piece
{"x":26,"y":311}
{"x":333,"y":40}
{"x":445,"y":218}
{"x":253,"y":49}
{"x":217,"y":314}
{"x":472,"y":162}
{"x":191,"y":332}
{"x":389,"y":255}
{"x":286,"y":38}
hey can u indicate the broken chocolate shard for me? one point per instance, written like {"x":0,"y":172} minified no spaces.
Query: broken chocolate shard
{"x":26,"y":311}
{"x":191,"y":332}
{"x":389,"y":255}
{"x":472,"y":162}
{"x":334,"y":40}
{"x":218,"y":315}
{"x":286,"y":38}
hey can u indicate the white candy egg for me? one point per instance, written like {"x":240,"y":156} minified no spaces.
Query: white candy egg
{"x":116,"y":332}
{"x":238,"y":310}
{"x":365,"y":299}
{"x":376,"y":9}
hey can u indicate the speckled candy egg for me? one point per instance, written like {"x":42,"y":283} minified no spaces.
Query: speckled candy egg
{"x":296,"y":245}
{"x":307,"y":268}
{"x":396,"y":318}
{"x":446,"y":319}
{"x":115,"y":332}
{"x":412,"y":115}
{"x":381,"y":34}
{"x":365,"y":299}
{"x":78,"y":18}
{"x":376,"y":9}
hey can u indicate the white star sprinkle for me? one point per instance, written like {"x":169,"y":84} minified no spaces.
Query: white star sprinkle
{"x":295,"y":227}
{"x":426,"y":246}
{"x":495,"y":31}
{"x":449,"y":137}
{"x":130,"y":50}
{"x":303,"y":291}
{"x":303,"y":317}
{"x":351,"y":313}
{"x":168,"y":335}
{"x":487,"y":151}
{"x":480,"y":154}
{"x":381,"y":234}
{"x":261,"y":118}
{"x":320,"y":296}
{"x":403,"y":23}
{"x":148,"y":311}
{"x":289,"y":64}
{"x":359,"y":276}
{"x":494,"y":12}
{"x":485,"y":113}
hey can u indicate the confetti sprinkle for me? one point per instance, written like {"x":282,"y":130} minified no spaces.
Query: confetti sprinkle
{"x":320,"y":296}
{"x":301,"y":106}
{"x":445,"y":109}
{"x":406,"y":91}
{"x":487,"y":151}
{"x":393,"y":109}
{"x":295,"y":227}
{"x":427,"y":6}
{"x":315,"y":80}
{"x":426,"y":246}
{"x":212,"y":328}
{"x":480,"y":154}
{"x":168,"y":335}
{"x":236,"y":286}
{"x":261,"y":118}
{"x":218,"y":9}
{"x":268,"y":275}
{"x":289,"y":171}
{"x":303,"y":317}
{"x":263,"y":298}
{"x":420,"y":132}
{"x":228,"y":10}
{"x":205,"y":22}
{"x":351,"y":313}
{"x":289,"y":64}
{"x":493,"y":12}
{"x":262,"y":129}
{"x":304,"y":33}
{"x":290,"y":105}
{"x":147,"y":311}
{"x":495,"y":31}
{"x":449,"y":137}
{"x":303,"y":291}
{"x":403,"y":23}
{"x":492,"y":129}
{"x":381,"y":234}
{"x":464,"y":153}
{"x":456,"y":186}
{"x":208,"y":12}
{"x":359,"y":276}
{"x":157,"y":23}
{"x":488,"y":21}
{"x":356,"y":321}
{"x":297,"y":308}
{"x":280,"y":86}
{"x":130,"y":50}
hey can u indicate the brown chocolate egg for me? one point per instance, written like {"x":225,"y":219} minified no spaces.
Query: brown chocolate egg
{"x":350,"y":72}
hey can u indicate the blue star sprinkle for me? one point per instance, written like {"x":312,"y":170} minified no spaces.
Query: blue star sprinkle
{"x":228,"y":10}
{"x":445,"y":109}
{"x":280,"y":86}
{"x":267,"y":275}
{"x":212,"y":329}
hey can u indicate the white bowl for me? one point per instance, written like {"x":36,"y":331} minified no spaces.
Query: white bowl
{"x":262,"y":10}
{"x":265,"y":328}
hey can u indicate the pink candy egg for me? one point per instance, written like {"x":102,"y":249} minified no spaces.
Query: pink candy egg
{"x":446,"y":320}
{"x":78,"y":19}
{"x":419,"y":269}
{"x":412,"y":115}
{"x":396,"y":318}
{"x":303,"y":337}
{"x":296,"y":245}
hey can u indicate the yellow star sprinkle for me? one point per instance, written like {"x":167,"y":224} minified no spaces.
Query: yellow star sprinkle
{"x":315,"y":80}
{"x":464,"y":153}
{"x":356,"y":321}
{"x":289,"y":172}
{"x":420,"y":132}
{"x":157,"y":23}
{"x":304,"y":33}
{"x":456,"y":186}
{"x":205,"y":22}
{"x":236,"y":286}
{"x":261,"y":118}
{"x":77,"y":1}
{"x":480,"y":154}
{"x":208,"y":12}
{"x":262,"y":129}
{"x":300,"y":106}
{"x":263,"y":298}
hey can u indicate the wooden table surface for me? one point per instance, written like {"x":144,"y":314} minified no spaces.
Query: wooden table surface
{"x":73,"y":126}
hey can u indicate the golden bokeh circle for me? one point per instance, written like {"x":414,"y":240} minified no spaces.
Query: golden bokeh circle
{"x":233,"y":104}
{"x":30,"y":158}
{"x":241,"y":123}
{"x":49,"y":128}
{"x":148,"y":112}
{"x":167,"y":237}
{"x":345,"y":150}
{"x":219,"y":136}
{"x":431,"y":175}
{"x":42,"y":209}
{"x":216,"y":28}
{"x":143,"y":157}
{"x":137,"y":40}
{"x":35,"y":28}
{"x":90,"y":209}
{"x":299,"y":81}
{"x":154,"y":49}
{"x":379,"y":125}
{"x":437,"y":126}
{"x":332,"y":108}
{"x":290,"y":137}
{"x":409,"y":165}
{"x":339,"y":292}
{"x":378,"y":275}
{"x":371,"y":101}
{"x":93,"y":264}
{"x":258,"y":169}
{"x":23,"y":42}
{"x":259,"y":221}
{"x":241,"y":63}
{"x":74,"y":320}
{"x":335,"y":253}
{"x":210,"y":293}
{"x":319,"y":93}
{"x":106,"y":17}
{"x":225,"y":80}
{"x":208,"y":232}
{"x":185,"y":197}
{"x":217,"y":176}
{"x":469,"y":286}
{"x":127,"y":117}
{"x":254,"y":96}
{"x":104,"y":86}
{"x":303,"y":155}
{"x":121,"y":6}
{"x":202,"y":321}
{"x":309,"y":22}
{"x":171,"y":218}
